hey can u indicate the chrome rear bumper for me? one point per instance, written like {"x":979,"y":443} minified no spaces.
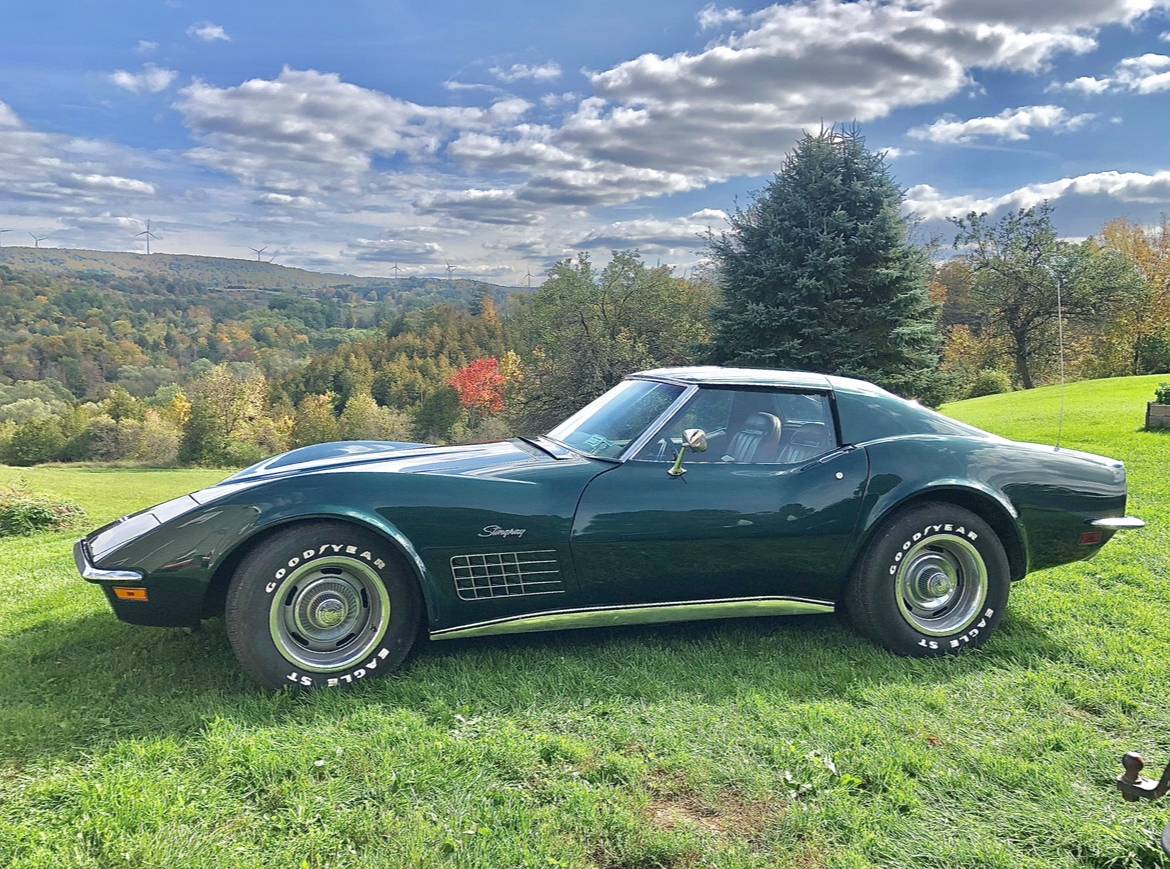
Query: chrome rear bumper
{"x":1118,"y":523}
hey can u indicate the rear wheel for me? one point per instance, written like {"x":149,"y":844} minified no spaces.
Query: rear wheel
{"x":321,"y":604}
{"x":934,"y":580}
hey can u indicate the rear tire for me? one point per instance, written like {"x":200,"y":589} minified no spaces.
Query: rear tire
{"x":934,"y":580}
{"x":321,"y":604}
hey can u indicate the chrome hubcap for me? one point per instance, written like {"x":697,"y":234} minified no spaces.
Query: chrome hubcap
{"x":941,"y":584}
{"x":328,"y":614}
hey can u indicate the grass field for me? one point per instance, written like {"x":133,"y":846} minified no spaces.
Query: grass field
{"x":767,"y":742}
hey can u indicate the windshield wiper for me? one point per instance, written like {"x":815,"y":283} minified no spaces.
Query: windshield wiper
{"x":536,"y":442}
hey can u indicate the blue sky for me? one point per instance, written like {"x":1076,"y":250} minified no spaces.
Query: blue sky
{"x":499,"y":137}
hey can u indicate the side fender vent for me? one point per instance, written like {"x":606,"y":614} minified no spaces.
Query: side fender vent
{"x":507,"y":574}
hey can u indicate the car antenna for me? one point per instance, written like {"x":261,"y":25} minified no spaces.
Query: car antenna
{"x":1060,"y":353}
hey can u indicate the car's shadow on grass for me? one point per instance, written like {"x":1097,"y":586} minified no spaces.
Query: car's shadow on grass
{"x":76,"y":686}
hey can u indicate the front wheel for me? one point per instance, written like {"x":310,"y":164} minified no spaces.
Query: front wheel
{"x":934,"y":580}
{"x":321,"y":604}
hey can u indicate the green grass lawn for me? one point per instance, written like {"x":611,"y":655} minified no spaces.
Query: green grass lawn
{"x":758,"y":742}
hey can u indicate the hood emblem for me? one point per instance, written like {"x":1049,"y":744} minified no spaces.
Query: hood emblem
{"x":497,"y":531}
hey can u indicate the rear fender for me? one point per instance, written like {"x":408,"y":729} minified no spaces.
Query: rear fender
{"x":990,"y":505}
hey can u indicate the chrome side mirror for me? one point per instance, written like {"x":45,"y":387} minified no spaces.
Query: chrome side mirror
{"x":696,"y":439}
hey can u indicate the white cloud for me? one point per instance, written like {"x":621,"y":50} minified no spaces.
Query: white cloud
{"x":1126,"y":188}
{"x":548,"y":71}
{"x":208,"y":32}
{"x":146,"y":46}
{"x":1145,"y":74}
{"x":895,"y":153}
{"x":552,"y":101}
{"x":8,"y":118}
{"x":311,"y":128}
{"x":495,"y":206}
{"x":284,"y":200}
{"x":94,"y":181}
{"x":150,"y":80}
{"x":395,"y":250}
{"x":1050,"y":13}
{"x":677,"y":235}
{"x":711,"y":16}
{"x":455,"y":85}
{"x":58,"y":179}
{"x":736,"y":106}
{"x":1014,"y":125}
{"x":1085,"y":84}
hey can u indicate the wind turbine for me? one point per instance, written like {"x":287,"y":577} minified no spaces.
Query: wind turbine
{"x":2,"y":231}
{"x":148,"y":235}
{"x":529,"y":276}
{"x":396,"y":270}
{"x":272,"y":258}
{"x":37,"y":239}
{"x":450,"y":268}
{"x":258,"y":251}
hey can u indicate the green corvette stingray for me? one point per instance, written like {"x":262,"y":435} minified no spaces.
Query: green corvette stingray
{"x":682,"y":493}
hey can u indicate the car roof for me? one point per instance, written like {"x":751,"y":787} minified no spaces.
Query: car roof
{"x":716,"y":375}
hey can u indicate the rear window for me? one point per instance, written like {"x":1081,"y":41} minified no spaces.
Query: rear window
{"x":873,"y":417}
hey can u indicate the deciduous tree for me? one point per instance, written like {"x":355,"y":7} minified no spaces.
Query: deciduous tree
{"x":583,"y":331}
{"x":1144,"y":323}
{"x":314,"y":422}
{"x":481,"y":387}
{"x":1022,"y":268}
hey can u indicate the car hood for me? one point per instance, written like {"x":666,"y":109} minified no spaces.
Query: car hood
{"x":393,"y":456}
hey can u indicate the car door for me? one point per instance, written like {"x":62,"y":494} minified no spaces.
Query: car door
{"x":749,"y":517}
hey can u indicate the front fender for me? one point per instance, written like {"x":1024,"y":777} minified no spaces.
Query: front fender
{"x":187,"y":561}
{"x":225,"y":560}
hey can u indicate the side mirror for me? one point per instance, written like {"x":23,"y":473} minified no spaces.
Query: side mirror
{"x":696,"y":439}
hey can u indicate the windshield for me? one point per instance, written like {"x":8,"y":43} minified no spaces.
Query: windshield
{"x":609,"y":424}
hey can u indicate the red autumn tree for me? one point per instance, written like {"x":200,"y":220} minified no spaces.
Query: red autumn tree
{"x":480,"y":386}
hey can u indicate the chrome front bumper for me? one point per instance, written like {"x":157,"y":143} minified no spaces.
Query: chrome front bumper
{"x":1118,"y":523}
{"x":96,"y":574}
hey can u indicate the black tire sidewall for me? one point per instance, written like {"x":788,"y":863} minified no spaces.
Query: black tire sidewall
{"x":876,"y":591}
{"x":249,"y":602}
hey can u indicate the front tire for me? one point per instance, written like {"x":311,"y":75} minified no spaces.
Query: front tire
{"x":934,"y":580}
{"x":321,"y":604}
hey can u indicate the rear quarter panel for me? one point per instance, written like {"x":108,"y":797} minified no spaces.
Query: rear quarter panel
{"x":1051,"y":495}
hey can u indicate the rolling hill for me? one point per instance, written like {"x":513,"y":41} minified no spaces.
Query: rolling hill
{"x":88,"y":319}
{"x":226,"y":273}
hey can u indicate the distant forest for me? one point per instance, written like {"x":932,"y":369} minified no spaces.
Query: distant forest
{"x":89,"y":330}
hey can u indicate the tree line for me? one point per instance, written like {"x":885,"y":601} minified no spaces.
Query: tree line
{"x":821,"y":271}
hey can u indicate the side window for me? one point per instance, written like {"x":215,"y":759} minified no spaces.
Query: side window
{"x":750,"y":426}
{"x":709,"y":410}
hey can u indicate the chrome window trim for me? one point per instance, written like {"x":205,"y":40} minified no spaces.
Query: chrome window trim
{"x":660,"y":423}
{"x":634,"y":448}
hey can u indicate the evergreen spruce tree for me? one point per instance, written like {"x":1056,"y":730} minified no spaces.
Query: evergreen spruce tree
{"x":818,"y":272}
